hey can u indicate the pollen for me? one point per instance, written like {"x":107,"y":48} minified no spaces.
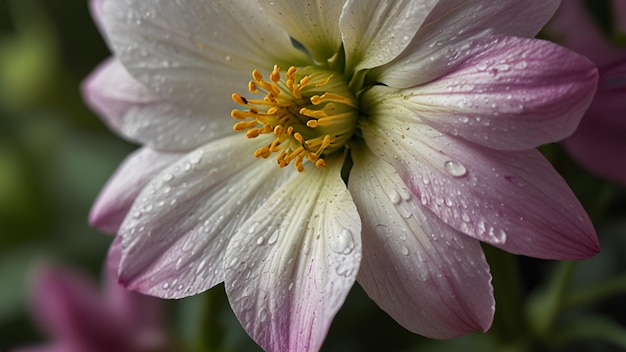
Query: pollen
{"x":309,"y":114}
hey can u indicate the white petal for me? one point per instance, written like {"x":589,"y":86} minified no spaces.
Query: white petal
{"x":386,"y":32}
{"x":175,"y":235}
{"x":198,"y":52}
{"x":429,"y":277}
{"x":291,"y":265}
{"x":314,"y":23}
{"x":138,"y":114}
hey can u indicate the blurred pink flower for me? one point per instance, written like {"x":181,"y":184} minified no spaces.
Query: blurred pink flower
{"x":430,"y":109}
{"x":68,"y":306}
{"x":599,"y":143}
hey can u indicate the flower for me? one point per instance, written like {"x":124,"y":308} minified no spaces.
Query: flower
{"x":401,"y":142}
{"x":599,"y":144}
{"x":68,"y":306}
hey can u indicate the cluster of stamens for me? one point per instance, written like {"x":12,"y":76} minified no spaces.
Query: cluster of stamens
{"x":304,"y":124}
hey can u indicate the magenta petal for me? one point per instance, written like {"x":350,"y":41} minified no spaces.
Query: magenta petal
{"x":142,"y":315}
{"x":120,"y":192}
{"x":599,"y":143}
{"x":574,"y":27}
{"x":66,"y":303}
{"x":430,"y":278}
{"x":291,"y":265}
{"x":513,"y":200}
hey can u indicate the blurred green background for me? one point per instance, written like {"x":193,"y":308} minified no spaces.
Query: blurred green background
{"x":55,"y":155}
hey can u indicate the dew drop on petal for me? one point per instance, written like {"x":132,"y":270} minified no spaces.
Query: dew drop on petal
{"x":342,"y":243}
{"x":455,"y":168}
{"x":273,"y":238}
{"x":263,"y":314}
{"x":394,"y":196}
{"x":260,"y":240}
{"x":404,"y":250}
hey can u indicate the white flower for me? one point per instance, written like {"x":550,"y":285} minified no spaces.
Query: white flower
{"x":430,"y":110}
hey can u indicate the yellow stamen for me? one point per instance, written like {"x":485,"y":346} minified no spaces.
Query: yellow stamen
{"x":305,"y":124}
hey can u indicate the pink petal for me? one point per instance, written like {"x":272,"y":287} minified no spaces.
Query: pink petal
{"x":619,"y":12}
{"x":448,"y":34}
{"x":291,"y":265}
{"x":389,"y":28}
{"x":69,"y":306}
{"x":176,"y":233}
{"x":120,"y":192}
{"x":513,"y":200}
{"x":139,"y":114}
{"x":196,"y":54}
{"x":142,"y":315}
{"x":430,"y":278}
{"x":599,"y":143}
{"x":516,"y":94}
{"x":573,"y":27}
{"x":95,"y":7}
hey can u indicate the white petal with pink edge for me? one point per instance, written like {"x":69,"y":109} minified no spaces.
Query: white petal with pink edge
{"x":175,"y":235}
{"x":118,"y":195}
{"x":140,"y":115}
{"x":446,"y":37}
{"x":430,"y":278}
{"x":513,"y":200}
{"x":516,"y":94}
{"x":291,"y":265}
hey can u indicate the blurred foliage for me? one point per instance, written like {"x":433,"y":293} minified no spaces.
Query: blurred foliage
{"x":55,"y":155}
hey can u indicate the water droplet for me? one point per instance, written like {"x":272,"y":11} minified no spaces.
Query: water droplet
{"x":260,"y":240}
{"x":165,"y":285}
{"x":404,"y":250}
{"x":342,"y":243}
{"x":455,"y":168}
{"x":394,"y":196}
{"x":273,"y":238}
{"x":228,"y":58}
{"x":201,"y":266}
{"x":263,"y":315}
{"x":168,"y":177}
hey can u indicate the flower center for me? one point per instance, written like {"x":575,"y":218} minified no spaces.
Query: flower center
{"x":311,"y":113}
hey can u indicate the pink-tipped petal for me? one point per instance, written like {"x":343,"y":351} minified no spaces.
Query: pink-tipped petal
{"x":513,"y":200}
{"x":447,"y":36}
{"x":175,"y":235}
{"x":430,"y":278}
{"x":516,"y":94}
{"x":379,"y":40}
{"x":141,"y":115}
{"x":115,"y":200}
{"x":291,"y":265}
